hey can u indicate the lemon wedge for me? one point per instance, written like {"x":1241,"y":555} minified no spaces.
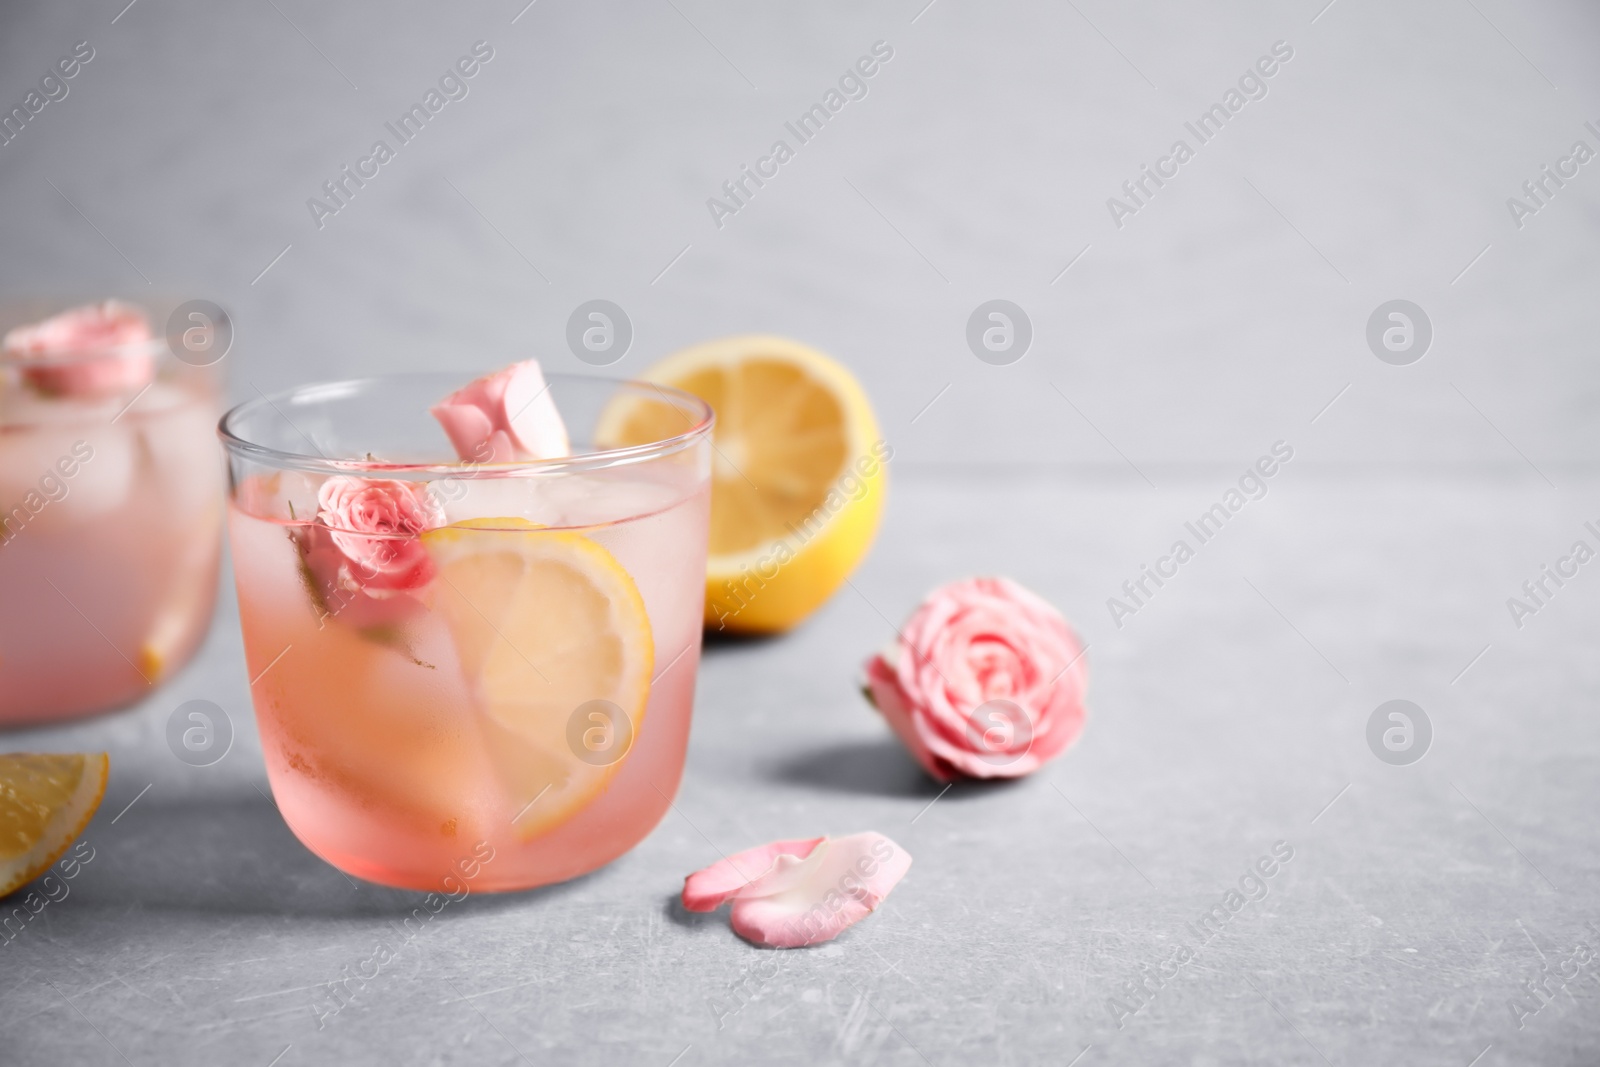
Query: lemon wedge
{"x":45,"y":802}
{"x":555,"y":644}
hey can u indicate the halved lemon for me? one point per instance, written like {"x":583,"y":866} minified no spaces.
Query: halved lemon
{"x":45,"y":802}
{"x":554,"y":641}
{"x":798,"y":472}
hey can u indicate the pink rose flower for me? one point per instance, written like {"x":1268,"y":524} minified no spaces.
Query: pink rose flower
{"x":92,"y":350}
{"x":789,"y":894}
{"x":986,"y":681}
{"x":506,"y":417}
{"x":373,"y":524}
{"x":340,"y":590}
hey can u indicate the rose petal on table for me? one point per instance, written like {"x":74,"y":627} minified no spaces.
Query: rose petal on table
{"x":505,"y":417}
{"x":805,"y":901}
{"x":709,"y":889}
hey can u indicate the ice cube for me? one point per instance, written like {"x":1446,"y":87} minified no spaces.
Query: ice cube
{"x":595,"y":498}
{"x":179,"y":439}
{"x":65,"y":474}
{"x":471,"y":497}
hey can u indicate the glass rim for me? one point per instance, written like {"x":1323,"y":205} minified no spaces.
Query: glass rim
{"x":242,"y":447}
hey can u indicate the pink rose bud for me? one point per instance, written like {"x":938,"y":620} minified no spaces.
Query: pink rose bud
{"x":373,"y":524}
{"x":985,"y":681}
{"x":506,"y":417}
{"x":789,"y":894}
{"x":93,"y":350}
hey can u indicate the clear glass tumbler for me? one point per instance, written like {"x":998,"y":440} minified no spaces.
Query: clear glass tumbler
{"x":111,"y":503}
{"x":470,"y":671}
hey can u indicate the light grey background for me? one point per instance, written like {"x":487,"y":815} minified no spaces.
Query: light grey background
{"x":1226,"y":315}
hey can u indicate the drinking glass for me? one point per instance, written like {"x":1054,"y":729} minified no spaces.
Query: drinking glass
{"x":110,"y":525}
{"x":514,"y":712}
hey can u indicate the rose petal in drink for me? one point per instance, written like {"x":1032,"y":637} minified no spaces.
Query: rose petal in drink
{"x":504,"y":417}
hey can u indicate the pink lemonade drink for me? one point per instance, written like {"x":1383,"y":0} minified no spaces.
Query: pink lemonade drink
{"x":480,"y":669}
{"x":111,"y":504}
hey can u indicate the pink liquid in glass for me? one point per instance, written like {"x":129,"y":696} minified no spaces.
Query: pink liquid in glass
{"x":110,"y":531}
{"x":380,"y":757}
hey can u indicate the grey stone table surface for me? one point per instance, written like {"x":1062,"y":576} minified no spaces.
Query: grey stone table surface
{"x":1178,"y":330}
{"x":1227,"y":716}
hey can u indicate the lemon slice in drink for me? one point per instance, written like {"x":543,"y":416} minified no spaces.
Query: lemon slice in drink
{"x":797,"y":475}
{"x":555,"y":646}
{"x":45,"y":802}
{"x":159,"y":652}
